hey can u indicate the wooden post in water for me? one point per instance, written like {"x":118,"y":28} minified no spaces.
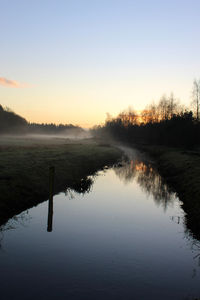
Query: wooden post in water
{"x":50,"y":208}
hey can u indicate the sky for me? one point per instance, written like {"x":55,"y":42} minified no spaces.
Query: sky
{"x":73,"y":61}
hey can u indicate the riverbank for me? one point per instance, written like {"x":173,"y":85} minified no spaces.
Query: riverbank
{"x":25,"y":163}
{"x":181,"y":169}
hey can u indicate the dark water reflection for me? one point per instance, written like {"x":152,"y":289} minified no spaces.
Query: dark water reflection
{"x":118,"y":235}
{"x":148,"y":178}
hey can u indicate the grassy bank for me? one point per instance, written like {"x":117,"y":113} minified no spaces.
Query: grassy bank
{"x":24,"y":165}
{"x":181,"y":169}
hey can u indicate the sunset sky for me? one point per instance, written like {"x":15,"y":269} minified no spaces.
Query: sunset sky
{"x":72,"y":61}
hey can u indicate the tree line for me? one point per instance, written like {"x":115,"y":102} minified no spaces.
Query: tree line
{"x":165,"y":123}
{"x":12,"y":123}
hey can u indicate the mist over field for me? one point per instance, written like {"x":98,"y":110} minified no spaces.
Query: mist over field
{"x":15,"y":126}
{"x":68,"y":134}
{"x":100,"y":150}
{"x":28,"y":140}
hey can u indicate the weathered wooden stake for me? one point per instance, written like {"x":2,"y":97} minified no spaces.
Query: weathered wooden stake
{"x":50,"y":208}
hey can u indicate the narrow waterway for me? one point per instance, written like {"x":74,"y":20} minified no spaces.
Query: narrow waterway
{"x":123,"y":237}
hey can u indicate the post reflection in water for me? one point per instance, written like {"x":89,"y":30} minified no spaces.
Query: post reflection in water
{"x":50,"y":205}
{"x":148,"y":178}
{"x":116,"y":244}
{"x":50,"y":215}
{"x":81,"y":187}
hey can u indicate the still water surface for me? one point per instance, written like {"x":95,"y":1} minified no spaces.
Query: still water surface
{"x":122,"y":238}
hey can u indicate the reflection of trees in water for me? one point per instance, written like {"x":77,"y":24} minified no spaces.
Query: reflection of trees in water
{"x":148,"y":178}
{"x":153,"y":184}
{"x":19,"y":220}
{"x":81,"y":187}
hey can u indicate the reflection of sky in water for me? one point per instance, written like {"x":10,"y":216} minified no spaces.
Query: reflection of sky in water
{"x":111,"y":243}
{"x":148,"y":179}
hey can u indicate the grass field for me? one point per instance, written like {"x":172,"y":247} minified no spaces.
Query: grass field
{"x":25,"y":162}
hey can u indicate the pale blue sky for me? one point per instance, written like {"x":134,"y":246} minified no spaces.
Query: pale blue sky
{"x":81,"y":59}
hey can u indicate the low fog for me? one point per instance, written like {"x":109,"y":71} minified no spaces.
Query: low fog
{"x":68,"y":136}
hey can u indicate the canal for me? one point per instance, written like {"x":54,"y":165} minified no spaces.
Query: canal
{"x":122,"y":237}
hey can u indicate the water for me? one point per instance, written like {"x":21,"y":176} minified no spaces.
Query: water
{"x":122,"y":238}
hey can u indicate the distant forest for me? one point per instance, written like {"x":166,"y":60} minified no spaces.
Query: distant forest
{"x":11,"y":123}
{"x":167,"y":123}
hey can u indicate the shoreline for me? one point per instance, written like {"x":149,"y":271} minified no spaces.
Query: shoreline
{"x":24,"y":165}
{"x":24,"y":179}
{"x":181,"y":170}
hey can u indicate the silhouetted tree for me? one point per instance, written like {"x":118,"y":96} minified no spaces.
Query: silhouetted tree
{"x":11,"y":122}
{"x":165,"y":124}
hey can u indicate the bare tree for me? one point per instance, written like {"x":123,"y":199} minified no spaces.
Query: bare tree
{"x":128,"y":116}
{"x":163,"y":108}
{"x":172,"y":105}
{"x":196,"y":96}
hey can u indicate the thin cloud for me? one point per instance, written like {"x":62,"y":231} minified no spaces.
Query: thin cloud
{"x":11,"y":83}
